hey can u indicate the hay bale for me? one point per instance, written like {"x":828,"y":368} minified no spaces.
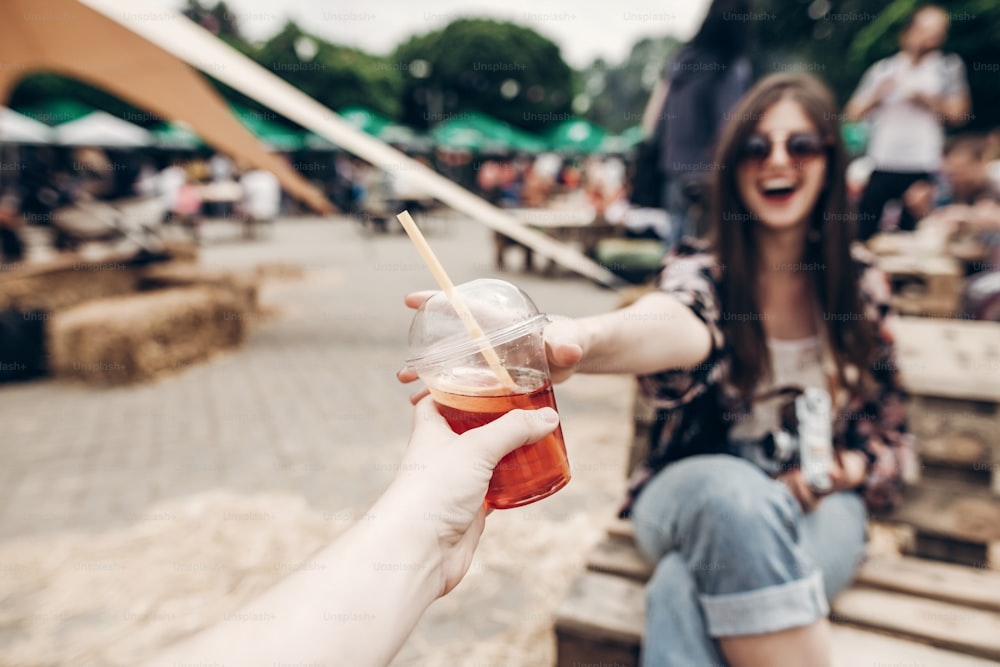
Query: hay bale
{"x":243,"y":286}
{"x":181,"y":251}
{"x":137,"y":337}
{"x":64,"y":283}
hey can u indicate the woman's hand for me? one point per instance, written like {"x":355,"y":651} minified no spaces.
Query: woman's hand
{"x":443,"y":479}
{"x":563,"y":346}
{"x":846,"y":473}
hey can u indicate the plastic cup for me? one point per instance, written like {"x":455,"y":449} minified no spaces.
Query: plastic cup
{"x":469,"y":392}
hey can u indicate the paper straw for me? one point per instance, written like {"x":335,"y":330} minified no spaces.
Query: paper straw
{"x":441,"y":276}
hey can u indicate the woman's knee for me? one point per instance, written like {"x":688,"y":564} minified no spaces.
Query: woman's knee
{"x":720,"y":493}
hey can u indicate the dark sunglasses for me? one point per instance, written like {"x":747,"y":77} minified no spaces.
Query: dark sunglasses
{"x":799,"y":146}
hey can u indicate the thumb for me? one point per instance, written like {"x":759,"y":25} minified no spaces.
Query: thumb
{"x":428,"y":422}
{"x":495,"y":440}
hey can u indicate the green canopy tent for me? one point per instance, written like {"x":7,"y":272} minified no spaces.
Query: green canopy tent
{"x":364,"y":119}
{"x":622,"y":143}
{"x":276,"y":135}
{"x":314,"y":142}
{"x":176,"y":136}
{"x":576,"y":136}
{"x":478,"y":132}
{"x":56,"y":111}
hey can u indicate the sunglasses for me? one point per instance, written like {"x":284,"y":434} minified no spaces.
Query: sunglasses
{"x":798,"y":145}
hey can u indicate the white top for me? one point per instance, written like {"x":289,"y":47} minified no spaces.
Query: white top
{"x":904,"y":136}
{"x":261,"y":194}
{"x":794,"y":363}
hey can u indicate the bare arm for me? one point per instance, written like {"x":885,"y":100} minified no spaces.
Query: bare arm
{"x":655,"y":333}
{"x":955,"y":109}
{"x":861,"y":104}
{"x":355,"y":602}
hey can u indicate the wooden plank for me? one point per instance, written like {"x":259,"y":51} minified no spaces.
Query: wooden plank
{"x":957,"y":628}
{"x":603,"y":608}
{"x":967,"y":517}
{"x":621,"y":528}
{"x":911,"y":265}
{"x":951,"y":358}
{"x":967,"y":586}
{"x":854,"y":647}
{"x":619,"y":557}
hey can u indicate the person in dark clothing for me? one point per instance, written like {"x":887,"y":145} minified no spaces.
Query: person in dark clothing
{"x":701,"y":84}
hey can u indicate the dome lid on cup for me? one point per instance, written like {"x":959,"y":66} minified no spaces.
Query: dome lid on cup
{"x":502,"y":310}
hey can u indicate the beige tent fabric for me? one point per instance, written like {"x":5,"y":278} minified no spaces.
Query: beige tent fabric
{"x":72,"y":39}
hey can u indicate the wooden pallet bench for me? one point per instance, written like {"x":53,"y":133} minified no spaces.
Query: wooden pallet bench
{"x":927,"y":286}
{"x":939,"y":604}
{"x":939,"y":614}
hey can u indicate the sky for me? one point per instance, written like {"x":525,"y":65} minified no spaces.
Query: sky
{"x":584,"y":29}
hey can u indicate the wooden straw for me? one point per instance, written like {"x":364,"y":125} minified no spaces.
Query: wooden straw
{"x":441,"y":276}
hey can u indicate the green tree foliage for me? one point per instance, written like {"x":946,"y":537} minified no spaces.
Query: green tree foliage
{"x":616,"y":95}
{"x":502,"y":69}
{"x":336,"y":76}
{"x":839,"y":39}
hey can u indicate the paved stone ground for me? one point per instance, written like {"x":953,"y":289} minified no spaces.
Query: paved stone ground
{"x":308,"y":406}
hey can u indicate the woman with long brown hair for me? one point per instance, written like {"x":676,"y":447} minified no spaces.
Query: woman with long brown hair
{"x":749,"y":543}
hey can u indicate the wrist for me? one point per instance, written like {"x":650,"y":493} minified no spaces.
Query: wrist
{"x":401,"y":528}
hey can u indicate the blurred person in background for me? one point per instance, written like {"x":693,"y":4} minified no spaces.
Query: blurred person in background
{"x":908,"y":98}
{"x":964,"y":197}
{"x":700,"y":85}
{"x":11,"y":223}
{"x":261,"y":199}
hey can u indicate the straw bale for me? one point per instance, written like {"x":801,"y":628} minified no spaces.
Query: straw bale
{"x":65,"y":283}
{"x":137,"y":337}
{"x":243,"y":286}
{"x":181,"y":251}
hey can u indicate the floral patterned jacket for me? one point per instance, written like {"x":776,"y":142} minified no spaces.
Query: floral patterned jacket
{"x":696,"y":407}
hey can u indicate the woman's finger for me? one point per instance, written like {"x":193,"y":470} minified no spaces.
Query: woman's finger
{"x":419,"y":396}
{"x":416,"y":299}
{"x":406,"y":375}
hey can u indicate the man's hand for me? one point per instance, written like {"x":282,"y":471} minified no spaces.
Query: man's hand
{"x":443,"y":479}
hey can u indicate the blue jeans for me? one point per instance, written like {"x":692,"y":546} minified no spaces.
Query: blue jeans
{"x":736,"y":555}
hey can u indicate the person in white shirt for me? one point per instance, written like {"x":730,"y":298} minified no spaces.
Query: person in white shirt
{"x":908,"y":98}
{"x":261,"y":198}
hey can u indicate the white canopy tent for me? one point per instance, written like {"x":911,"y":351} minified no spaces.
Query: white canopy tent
{"x":17,"y":128}
{"x":102,"y":129}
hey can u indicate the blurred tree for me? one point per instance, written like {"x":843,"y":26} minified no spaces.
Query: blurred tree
{"x":336,"y":76}
{"x":502,"y":69}
{"x":614,"y":96}
{"x":839,"y":39}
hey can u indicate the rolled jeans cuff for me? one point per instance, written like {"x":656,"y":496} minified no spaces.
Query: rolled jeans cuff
{"x":770,"y":609}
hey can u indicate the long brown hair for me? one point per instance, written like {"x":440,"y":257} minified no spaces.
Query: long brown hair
{"x":851,"y":338}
